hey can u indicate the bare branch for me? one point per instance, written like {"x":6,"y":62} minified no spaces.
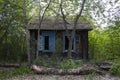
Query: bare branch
{"x":77,"y":16}
{"x":76,"y":19}
{"x":40,"y":22}
{"x":64,"y":19}
{"x":44,"y":14}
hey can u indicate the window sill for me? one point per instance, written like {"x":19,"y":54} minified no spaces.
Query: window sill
{"x":67,"y":51}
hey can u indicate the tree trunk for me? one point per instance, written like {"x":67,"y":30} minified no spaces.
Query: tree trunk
{"x":70,"y":48}
{"x":27,"y":34}
{"x":78,"y":71}
{"x":38,"y":43}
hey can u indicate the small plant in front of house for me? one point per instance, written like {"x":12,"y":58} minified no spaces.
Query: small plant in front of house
{"x":70,"y":63}
{"x":22,"y":70}
{"x":115,"y":69}
{"x":55,"y":63}
{"x":45,"y":61}
{"x":18,"y":71}
{"x":92,"y":75}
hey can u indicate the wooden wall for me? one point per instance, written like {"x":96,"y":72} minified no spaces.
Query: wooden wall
{"x":82,"y":47}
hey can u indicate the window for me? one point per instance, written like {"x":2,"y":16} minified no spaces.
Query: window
{"x":46,"y":42}
{"x":66,"y":43}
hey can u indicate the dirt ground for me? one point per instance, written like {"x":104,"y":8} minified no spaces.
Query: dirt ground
{"x":63,"y":77}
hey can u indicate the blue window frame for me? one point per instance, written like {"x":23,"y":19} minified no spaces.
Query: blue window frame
{"x":66,"y":42}
{"x":47,"y":41}
{"x":41,"y":43}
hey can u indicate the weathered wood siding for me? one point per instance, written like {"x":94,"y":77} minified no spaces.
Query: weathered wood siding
{"x":82,"y":46}
{"x":84,"y":43}
{"x":79,"y":45}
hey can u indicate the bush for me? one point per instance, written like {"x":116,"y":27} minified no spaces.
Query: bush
{"x":70,"y":63}
{"x":22,"y":70}
{"x":19,"y":71}
{"x":115,"y":69}
{"x":57,"y":63}
{"x":46,"y":61}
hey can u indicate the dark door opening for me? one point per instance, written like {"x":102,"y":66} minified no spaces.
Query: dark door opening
{"x":46,"y":42}
{"x":67,"y":43}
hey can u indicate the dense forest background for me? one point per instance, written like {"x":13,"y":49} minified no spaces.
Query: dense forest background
{"x":104,"y":39}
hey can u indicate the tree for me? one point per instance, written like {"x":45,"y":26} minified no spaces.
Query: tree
{"x":41,"y":17}
{"x":102,"y":12}
{"x":11,"y":31}
{"x":70,"y":38}
{"x":27,"y":33}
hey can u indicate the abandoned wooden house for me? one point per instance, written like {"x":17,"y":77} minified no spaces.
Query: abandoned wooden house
{"x":53,"y":38}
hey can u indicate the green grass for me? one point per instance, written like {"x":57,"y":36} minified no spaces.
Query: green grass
{"x":18,"y":71}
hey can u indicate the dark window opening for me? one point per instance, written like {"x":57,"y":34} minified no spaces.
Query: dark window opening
{"x":67,"y":43}
{"x":46,"y":42}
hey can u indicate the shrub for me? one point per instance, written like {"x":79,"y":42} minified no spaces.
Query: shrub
{"x":70,"y":63}
{"x":46,"y":61}
{"x":57,"y":63}
{"x":22,"y":70}
{"x":115,"y":69}
{"x":19,"y":71}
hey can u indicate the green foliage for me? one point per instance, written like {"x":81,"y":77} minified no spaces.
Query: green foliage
{"x":115,"y":69}
{"x":104,"y":43}
{"x":12,"y":34}
{"x":91,"y":75}
{"x":22,"y":70}
{"x":18,"y":71}
{"x":46,"y":61}
{"x":57,"y":62}
{"x":70,"y":63}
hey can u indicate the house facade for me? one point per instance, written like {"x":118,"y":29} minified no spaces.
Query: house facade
{"x":53,"y":37}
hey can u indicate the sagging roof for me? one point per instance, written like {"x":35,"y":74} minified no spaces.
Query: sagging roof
{"x":51,"y":23}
